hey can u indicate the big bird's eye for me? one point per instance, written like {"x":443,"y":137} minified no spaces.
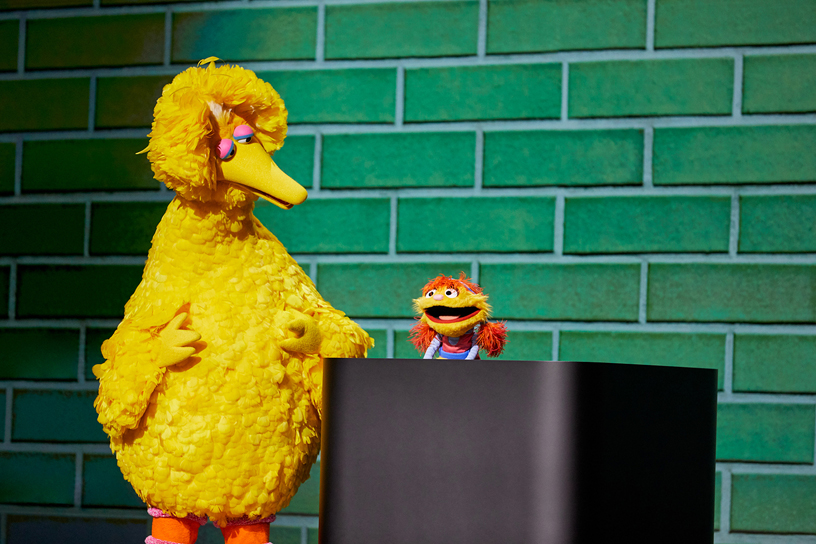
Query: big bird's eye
{"x":226,"y":149}
{"x":430,"y":293}
{"x":243,"y":134}
{"x":451,"y":293}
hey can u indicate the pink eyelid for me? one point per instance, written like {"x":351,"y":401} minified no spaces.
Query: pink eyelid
{"x":225,"y":147}
{"x":242,"y":131}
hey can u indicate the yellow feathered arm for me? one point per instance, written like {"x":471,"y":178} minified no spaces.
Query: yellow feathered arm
{"x":137,"y":356}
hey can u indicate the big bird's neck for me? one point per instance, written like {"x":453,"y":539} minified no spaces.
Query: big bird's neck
{"x":207,"y":224}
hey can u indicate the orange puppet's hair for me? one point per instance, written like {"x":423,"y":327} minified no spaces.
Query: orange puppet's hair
{"x":447,"y":281}
{"x":421,"y":336}
{"x":492,"y":337}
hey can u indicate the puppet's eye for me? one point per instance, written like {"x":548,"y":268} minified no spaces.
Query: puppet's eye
{"x":226,"y":149}
{"x":430,"y":293}
{"x":451,"y":293}
{"x":243,"y":134}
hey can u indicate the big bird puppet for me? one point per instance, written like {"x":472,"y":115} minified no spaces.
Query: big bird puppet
{"x":453,"y":321}
{"x":211,"y":389}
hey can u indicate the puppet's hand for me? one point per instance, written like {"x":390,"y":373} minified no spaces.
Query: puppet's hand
{"x":174,"y":342}
{"x":308,"y":335}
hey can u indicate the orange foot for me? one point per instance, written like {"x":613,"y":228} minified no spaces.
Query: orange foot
{"x":256,"y":533}
{"x":174,"y":531}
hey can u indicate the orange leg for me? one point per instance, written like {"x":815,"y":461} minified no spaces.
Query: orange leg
{"x":175,"y":530}
{"x":256,"y":533}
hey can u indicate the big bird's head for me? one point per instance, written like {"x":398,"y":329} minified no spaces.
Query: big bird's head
{"x":451,"y":306}
{"x":213,"y":131}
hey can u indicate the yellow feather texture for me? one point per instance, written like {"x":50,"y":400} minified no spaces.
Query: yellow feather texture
{"x":232,"y":431}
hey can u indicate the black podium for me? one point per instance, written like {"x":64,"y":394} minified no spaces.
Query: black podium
{"x":506,"y":452}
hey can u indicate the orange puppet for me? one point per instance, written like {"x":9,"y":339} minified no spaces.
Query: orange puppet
{"x":453,"y":322}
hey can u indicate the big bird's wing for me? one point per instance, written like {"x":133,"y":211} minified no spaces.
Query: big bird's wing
{"x":136,"y":358}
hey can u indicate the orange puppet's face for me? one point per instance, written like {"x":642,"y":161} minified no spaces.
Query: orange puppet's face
{"x":452,"y":307}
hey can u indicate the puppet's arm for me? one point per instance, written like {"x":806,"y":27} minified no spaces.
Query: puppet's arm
{"x":433,"y":348}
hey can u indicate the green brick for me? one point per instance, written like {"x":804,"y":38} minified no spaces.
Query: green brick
{"x":9,"y":36}
{"x":93,"y":347}
{"x":119,"y":228}
{"x":112,"y":40}
{"x":55,"y":416}
{"x":103,"y":484}
{"x":330,"y":225}
{"x":140,"y":2}
{"x":647,"y":224}
{"x":712,"y":155}
{"x":337,"y":96}
{"x":4,"y":291}
{"x":770,"y":433}
{"x":380,"y":349}
{"x":75,"y":530}
{"x":403,"y":348}
{"x":773,"y":503}
{"x":527,"y":346}
{"x":284,"y":535}
{"x":296,"y":158}
{"x":7,"y":160}
{"x":39,"y":354}
{"x":575,"y":157}
{"x":579,"y":292}
{"x":42,"y":229}
{"x":44,"y":104}
{"x":651,"y":87}
{"x":307,"y":498}
{"x":463,"y":93}
{"x":774,"y":364}
{"x":416,"y":29}
{"x":37,"y":478}
{"x":312,"y":536}
{"x":357,"y":288}
{"x":75,"y":291}
{"x":732,"y":293}
{"x":639,"y":348}
{"x":506,"y":224}
{"x":416,"y":159}
{"x":127,"y":102}
{"x":530,"y":26}
{"x":717,"y":500}
{"x":3,"y":412}
{"x":242,"y":35}
{"x":777,"y":224}
{"x":34,"y":4}
{"x":707,"y":23}
{"x":86,"y":165}
{"x":779,"y":83}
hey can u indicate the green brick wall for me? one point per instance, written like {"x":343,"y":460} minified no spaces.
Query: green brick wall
{"x":632,"y":181}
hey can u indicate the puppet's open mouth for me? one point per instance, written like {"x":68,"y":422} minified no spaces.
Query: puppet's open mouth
{"x":275,"y":200}
{"x":444,"y":314}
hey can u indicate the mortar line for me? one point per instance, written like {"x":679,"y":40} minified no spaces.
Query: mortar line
{"x":650,"y":25}
{"x":556,"y":344}
{"x":313,"y":272}
{"x":725,"y":502}
{"x":21,"y":43}
{"x":12,"y":296}
{"x":733,"y":233}
{"x":399,"y":112}
{"x":481,"y":39}
{"x":736,"y":105}
{"x":564,"y":91}
{"x":648,"y":156}
{"x":86,"y":236}
{"x":728,"y":366}
{"x":478,"y":172}
{"x":7,"y":420}
{"x":168,"y":35}
{"x":83,"y":336}
{"x":474,"y":271}
{"x":392,"y":227}
{"x":320,"y":39}
{"x":389,"y":342}
{"x":304,"y":535}
{"x":91,"y":104}
{"x":78,"y":480}
{"x":3,"y":527}
{"x":18,"y":166}
{"x":558,"y":224}
{"x":644,"y":288}
{"x":318,"y":162}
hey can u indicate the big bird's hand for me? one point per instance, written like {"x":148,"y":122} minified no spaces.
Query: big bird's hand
{"x":174,"y":342}
{"x":308,"y":335}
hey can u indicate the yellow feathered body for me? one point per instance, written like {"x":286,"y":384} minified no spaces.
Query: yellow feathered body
{"x":232,"y":431}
